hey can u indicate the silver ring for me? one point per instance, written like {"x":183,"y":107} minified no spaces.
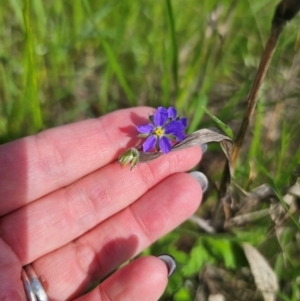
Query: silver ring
{"x":33,"y":287}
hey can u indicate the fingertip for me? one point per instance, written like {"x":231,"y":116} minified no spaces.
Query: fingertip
{"x":201,"y":179}
{"x":143,"y":279}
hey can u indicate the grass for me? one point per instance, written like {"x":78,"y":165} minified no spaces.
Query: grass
{"x":66,"y":61}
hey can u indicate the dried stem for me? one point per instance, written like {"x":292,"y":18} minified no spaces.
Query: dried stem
{"x":252,"y":98}
{"x":285,"y":11}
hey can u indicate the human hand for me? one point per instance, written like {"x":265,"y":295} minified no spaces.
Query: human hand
{"x":69,"y":208}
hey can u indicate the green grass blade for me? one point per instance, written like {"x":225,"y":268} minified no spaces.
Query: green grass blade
{"x":118,"y":71}
{"x":255,"y":148}
{"x":166,"y":80}
{"x":27,"y":107}
{"x":40,"y":16}
{"x":227,"y":130}
{"x":15,"y":4}
{"x":283,"y":297}
{"x":31,"y":91}
{"x":174,"y":45}
{"x":4,"y":93}
{"x":278,"y":194}
{"x":4,"y":101}
{"x":199,"y":112}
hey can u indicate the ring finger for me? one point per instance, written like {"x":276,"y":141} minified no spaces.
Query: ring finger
{"x":68,"y":271}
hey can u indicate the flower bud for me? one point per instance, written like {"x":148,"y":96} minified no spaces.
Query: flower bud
{"x":131,"y":155}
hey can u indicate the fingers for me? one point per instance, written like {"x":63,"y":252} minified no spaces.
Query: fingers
{"x":11,"y":286}
{"x":70,"y":269}
{"x":144,"y":279}
{"x":64,"y":215}
{"x":35,"y":166}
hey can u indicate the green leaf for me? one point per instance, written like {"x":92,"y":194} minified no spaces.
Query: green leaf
{"x":198,"y":257}
{"x":226,"y":129}
{"x":254,"y":236}
{"x":201,"y":101}
{"x":182,"y":295}
{"x":223,"y":249}
{"x":173,"y":43}
{"x":283,"y":297}
{"x":116,"y":66}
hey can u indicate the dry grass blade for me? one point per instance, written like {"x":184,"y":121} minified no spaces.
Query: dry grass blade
{"x":203,"y":224}
{"x":264,"y":277}
{"x":243,"y":219}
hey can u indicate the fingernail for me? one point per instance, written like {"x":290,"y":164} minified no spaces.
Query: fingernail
{"x":201,"y":178}
{"x":170,"y":263}
{"x":203,"y":147}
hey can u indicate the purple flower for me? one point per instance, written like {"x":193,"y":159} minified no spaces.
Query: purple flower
{"x":172,"y":113}
{"x":164,"y":127}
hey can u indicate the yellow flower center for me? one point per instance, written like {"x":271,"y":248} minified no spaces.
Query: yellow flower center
{"x":159,"y":132}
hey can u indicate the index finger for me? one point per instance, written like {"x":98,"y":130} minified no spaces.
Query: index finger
{"x":37,"y":165}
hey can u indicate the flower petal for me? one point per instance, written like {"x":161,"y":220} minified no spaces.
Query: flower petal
{"x":161,"y":116}
{"x":165,"y":144}
{"x":174,"y":126}
{"x":149,"y":144}
{"x":183,"y":121}
{"x":179,"y":136}
{"x":172,"y":113}
{"x":145,"y":129}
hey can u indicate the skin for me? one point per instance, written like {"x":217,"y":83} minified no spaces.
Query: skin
{"x":69,"y":208}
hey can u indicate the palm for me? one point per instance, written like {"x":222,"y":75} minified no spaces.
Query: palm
{"x":70,"y":209}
